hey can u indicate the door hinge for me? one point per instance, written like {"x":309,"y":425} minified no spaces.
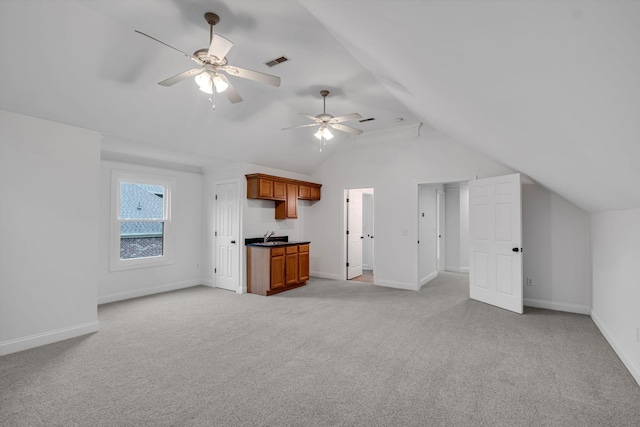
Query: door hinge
{"x":215,"y":234}
{"x":215,"y":270}
{"x":347,"y":231}
{"x":216,"y":197}
{"x":347,"y":264}
{"x":418,"y":241}
{"x":347,"y":200}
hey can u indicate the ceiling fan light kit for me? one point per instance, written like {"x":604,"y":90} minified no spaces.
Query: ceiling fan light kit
{"x":213,"y":62}
{"x":326,"y":121}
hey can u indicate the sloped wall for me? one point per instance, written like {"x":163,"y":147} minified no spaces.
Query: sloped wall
{"x":616,"y":283}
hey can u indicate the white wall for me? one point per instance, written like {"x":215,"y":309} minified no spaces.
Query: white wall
{"x":427,"y":229}
{"x":392,"y":167}
{"x":457,"y":227}
{"x":616,"y":286}
{"x":556,"y":251}
{"x":452,"y":228}
{"x":186,"y":214}
{"x":49,"y":184}
{"x":464,"y":226}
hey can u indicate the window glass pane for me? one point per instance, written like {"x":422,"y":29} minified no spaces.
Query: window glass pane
{"x":141,"y":239}
{"x":141,"y":201}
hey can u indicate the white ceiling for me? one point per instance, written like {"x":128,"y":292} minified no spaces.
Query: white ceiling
{"x":549,"y":88}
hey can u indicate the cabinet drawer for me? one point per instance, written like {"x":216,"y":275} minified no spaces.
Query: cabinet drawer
{"x":292,"y":249}
{"x":277,"y":252}
{"x":303,"y":248}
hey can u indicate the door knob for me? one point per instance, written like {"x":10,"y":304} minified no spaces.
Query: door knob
{"x":515,"y":250}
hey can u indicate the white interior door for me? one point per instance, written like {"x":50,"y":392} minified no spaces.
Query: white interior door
{"x":354,"y":234}
{"x":440,"y":258}
{"x":227,"y":234}
{"x":495,"y":256}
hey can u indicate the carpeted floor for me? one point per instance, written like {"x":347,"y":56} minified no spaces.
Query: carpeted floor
{"x":332,"y":353}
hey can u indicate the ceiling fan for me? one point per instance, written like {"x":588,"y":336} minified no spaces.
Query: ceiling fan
{"x":212,"y":61}
{"x":326,"y":121}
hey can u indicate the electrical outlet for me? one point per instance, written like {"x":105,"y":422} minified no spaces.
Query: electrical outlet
{"x":528,"y":281}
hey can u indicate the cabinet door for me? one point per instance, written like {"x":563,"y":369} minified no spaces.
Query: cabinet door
{"x":292,"y":269}
{"x":265,"y":188}
{"x":315,"y":193}
{"x":279,"y":190}
{"x":277,"y":271}
{"x":292,"y":201}
{"x":304,"y":192}
{"x":303,"y":263}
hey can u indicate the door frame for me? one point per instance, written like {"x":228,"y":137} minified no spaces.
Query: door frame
{"x":343,"y":231}
{"x":416,"y":209}
{"x":241,"y":286}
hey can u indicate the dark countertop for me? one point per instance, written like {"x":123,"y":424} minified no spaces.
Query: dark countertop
{"x":273,"y":244}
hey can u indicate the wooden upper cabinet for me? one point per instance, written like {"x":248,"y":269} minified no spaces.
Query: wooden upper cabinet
{"x":279,"y":190}
{"x":265,"y":188}
{"x":284,"y":191}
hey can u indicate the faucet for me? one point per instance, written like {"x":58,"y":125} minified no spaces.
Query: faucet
{"x":267,"y":235}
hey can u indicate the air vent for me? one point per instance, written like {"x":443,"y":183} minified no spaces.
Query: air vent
{"x":367,"y":120}
{"x":277,"y":61}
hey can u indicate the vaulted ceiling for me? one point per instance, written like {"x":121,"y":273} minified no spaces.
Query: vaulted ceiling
{"x":548,"y":88}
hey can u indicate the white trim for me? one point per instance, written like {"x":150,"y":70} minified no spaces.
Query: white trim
{"x":169,"y":184}
{"x":37,"y":340}
{"x":391,"y":133}
{"x":396,"y":285}
{"x":148,"y":291}
{"x":462,"y":270}
{"x":627,"y":360}
{"x":428,"y":278}
{"x":558,"y":306}
{"x":323,"y":275}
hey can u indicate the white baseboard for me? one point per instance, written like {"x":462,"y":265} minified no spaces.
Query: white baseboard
{"x":135,"y":293}
{"x":31,"y":341}
{"x":558,"y":306}
{"x":322,"y":275}
{"x":396,"y":285}
{"x":428,"y":278}
{"x":457,"y":269}
{"x":627,"y":360}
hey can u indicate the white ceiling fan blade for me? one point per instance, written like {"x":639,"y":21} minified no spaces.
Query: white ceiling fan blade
{"x":347,"y":129}
{"x":346,"y":118}
{"x":219,"y":46}
{"x":180,"y":77}
{"x":314,"y":118}
{"x":193,"y":58}
{"x":251,"y":75}
{"x":230,"y":92}
{"x":302,"y":126}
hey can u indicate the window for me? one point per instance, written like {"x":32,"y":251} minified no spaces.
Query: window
{"x":141,"y":221}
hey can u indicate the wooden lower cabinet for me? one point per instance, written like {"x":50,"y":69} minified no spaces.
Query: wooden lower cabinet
{"x":273,"y":270}
{"x":303,"y":263}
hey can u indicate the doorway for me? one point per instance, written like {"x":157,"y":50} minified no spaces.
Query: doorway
{"x":359,"y":225}
{"x":443,"y":229}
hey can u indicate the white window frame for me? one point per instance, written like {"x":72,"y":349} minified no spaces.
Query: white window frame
{"x":168,"y":245}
